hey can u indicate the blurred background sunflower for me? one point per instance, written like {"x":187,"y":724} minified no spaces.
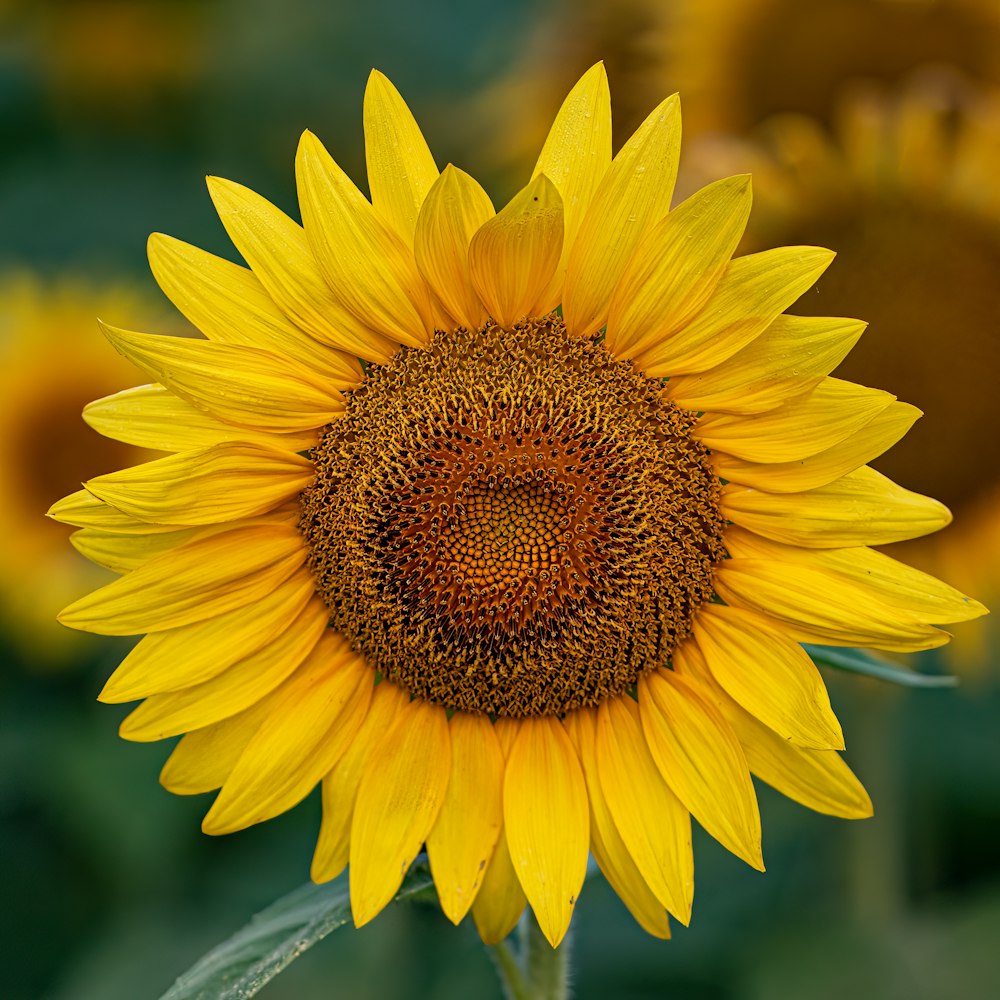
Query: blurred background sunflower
{"x":872,"y":126}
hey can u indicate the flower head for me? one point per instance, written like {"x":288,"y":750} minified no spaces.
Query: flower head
{"x":511,"y":581}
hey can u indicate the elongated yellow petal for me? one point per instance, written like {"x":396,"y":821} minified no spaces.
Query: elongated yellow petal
{"x":230,"y":305}
{"x":817,"y":607}
{"x":575,"y":157}
{"x":84,"y":510}
{"x":312,"y":721}
{"x":861,"y":508}
{"x":701,"y":760}
{"x":370,"y":269}
{"x":340,"y":786}
{"x":239,"y":385}
{"x":513,"y":256}
{"x":232,"y":690}
{"x":770,"y":675}
{"x":654,"y":825}
{"x":606,"y":844}
{"x":124,"y":553}
{"x":833,"y":411}
{"x":453,"y":211}
{"x":277,"y":250}
{"x":632,"y":197}
{"x":789,"y":358}
{"x":199,"y":580}
{"x":752,"y":292}
{"x":399,"y":797}
{"x":547,"y":821}
{"x":463,"y":839}
{"x":821,"y":469}
{"x":676,"y":266}
{"x":220,"y":483}
{"x":893,"y":583}
{"x":189,"y":655}
{"x":401,"y":168}
{"x":151,"y":416}
{"x":819,"y":779}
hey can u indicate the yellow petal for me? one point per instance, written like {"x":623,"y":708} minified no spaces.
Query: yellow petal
{"x":150,"y":416}
{"x":191,"y":654}
{"x":821,"y":469}
{"x":817,"y":607}
{"x":239,"y":385}
{"x":654,"y":825}
{"x":606,"y":844}
{"x":632,"y":197}
{"x":770,"y":675}
{"x":789,"y":358}
{"x":455,"y":208}
{"x":893,"y":583}
{"x":676,"y":266}
{"x":819,"y":779}
{"x":277,"y":250}
{"x":340,"y":786}
{"x":84,"y":510}
{"x":752,"y":292}
{"x":547,"y":821}
{"x":223,"y":482}
{"x":401,"y":169}
{"x":575,"y":157}
{"x":199,"y":580}
{"x":513,"y":256}
{"x":463,"y":839}
{"x":230,"y":305}
{"x":370,"y":269}
{"x":399,"y":796}
{"x":233,"y":689}
{"x":861,"y":508}
{"x":701,"y":759}
{"x":312,"y":721}
{"x":124,"y":553}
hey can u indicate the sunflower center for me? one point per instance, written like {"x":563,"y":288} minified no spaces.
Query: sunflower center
{"x":512,"y":521}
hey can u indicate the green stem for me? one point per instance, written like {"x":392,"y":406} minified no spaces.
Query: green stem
{"x":537,"y":971}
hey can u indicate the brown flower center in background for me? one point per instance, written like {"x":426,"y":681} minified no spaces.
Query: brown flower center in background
{"x":512,"y":522}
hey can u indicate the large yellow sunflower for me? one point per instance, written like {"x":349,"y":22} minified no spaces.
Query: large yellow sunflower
{"x":526,"y":582}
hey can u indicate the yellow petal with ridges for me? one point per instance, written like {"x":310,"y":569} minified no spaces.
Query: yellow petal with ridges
{"x":821,"y":469}
{"x":632,"y":197}
{"x":789,"y":358}
{"x":189,"y":655}
{"x":233,"y":689}
{"x":861,"y":508}
{"x":312,"y":721}
{"x":702,"y":761}
{"x":818,"y":779}
{"x":239,"y":385}
{"x":770,"y":675}
{"x":453,"y":211}
{"x":752,"y":292}
{"x":575,"y":157}
{"x":817,"y":607}
{"x":399,"y":797}
{"x":340,"y":786}
{"x":230,"y":305}
{"x":676,"y":266}
{"x":124,"y":553}
{"x":401,"y":168}
{"x":462,"y":841}
{"x":653,"y":824}
{"x":606,"y":844}
{"x":223,"y":482}
{"x":202,"y":579}
{"x":547,"y":821}
{"x":513,"y":256}
{"x":84,"y":510}
{"x":277,"y":250}
{"x":367,"y":265}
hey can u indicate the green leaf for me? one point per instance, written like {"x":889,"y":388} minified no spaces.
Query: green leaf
{"x":860,"y":661}
{"x":253,"y":956}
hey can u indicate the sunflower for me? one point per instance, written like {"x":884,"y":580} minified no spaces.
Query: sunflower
{"x":529,"y":580}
